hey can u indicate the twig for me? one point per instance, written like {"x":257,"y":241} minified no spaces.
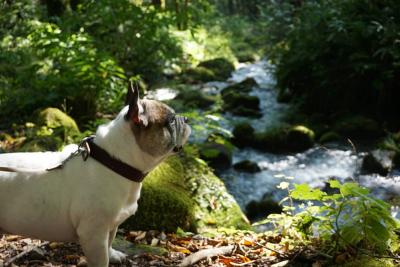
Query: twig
{"x":205,"y":253}
{"x":241,"y":264}
{"x":23,"y":253}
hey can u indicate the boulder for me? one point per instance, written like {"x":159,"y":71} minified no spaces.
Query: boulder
{"x":56,"y":119}
{"x":285,"y":139}
{"x":300,"y":138}
{"x":199,"y":75}
{"x":244,"y":86}
{"x":195,"y":99}
{"x":356,"y":126}
{"x":243,"y":134}
{"x":53,"y":128}
{"x":246,"y":56}
{"x":378,"y":161}
{"x":272,"y":140}
{"x":247,"y":166}
{"x":221,"y":67}
{"x":218,"y":156}
{"x":242,"y":104}
{"x":183,"y":192}
{"x":329,"y":137}
{"x":42,"y":143}
{"x":256,"y":210}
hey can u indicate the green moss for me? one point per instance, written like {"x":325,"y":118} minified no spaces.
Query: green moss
{"x":42,"y":143}
{"x":356,"y":126}
{"x":273,"y":140}
{"x":164,"y":203}
{"x":243,"y":134}
{"x":195,"y":99}
{"x":218,"y":156}
{"x":183,"y":192}
{"x":285,"y":139}
{"x":242,"y":104}
{"x":221,"y":67}
{"x":56,"y":119}
{"x":300,"y":138}
{"x":246,"y":56}
{"x":369,"y":262}
{"x":199,"y":74}
{"x":243,"y":87}
{"x":329,"y":137}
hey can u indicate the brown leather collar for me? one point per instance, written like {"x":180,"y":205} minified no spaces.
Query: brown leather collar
{"x":119,"y":167}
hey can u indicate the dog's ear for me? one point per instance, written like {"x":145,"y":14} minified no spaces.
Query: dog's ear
{"x":135,"y":112}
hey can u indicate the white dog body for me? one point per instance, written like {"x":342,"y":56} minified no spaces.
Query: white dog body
{"x":83,"y":201}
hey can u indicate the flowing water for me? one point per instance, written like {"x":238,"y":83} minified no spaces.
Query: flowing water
{"x":314,"y":166}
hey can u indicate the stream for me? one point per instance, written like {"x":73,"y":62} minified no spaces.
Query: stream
{"x":314,"y":166}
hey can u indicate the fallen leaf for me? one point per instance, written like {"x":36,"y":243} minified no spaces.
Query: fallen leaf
{"x":154,"y":242}
{"x":11,"y":238}
{"x":141,"y":236}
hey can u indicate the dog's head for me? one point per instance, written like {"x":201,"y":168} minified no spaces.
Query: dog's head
{"x":158,"y":130}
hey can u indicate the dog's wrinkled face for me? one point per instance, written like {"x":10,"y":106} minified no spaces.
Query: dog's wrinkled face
{"x":157,"y":129}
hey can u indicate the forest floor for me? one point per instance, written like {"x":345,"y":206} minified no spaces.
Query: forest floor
{"x":153,"y":248}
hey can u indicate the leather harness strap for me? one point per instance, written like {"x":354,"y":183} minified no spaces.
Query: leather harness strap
{"x":88,"y":148}
{"x":119,"y":167}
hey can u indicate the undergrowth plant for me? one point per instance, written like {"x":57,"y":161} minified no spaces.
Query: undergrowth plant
{"x":349,"y":219}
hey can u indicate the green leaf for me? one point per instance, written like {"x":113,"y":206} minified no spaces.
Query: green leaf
{"x":304,"y":192}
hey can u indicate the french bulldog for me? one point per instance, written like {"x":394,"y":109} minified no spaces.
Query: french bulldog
{"x":85,"y":201}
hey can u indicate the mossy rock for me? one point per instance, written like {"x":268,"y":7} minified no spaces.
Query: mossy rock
{"x":247,"y":166}
{"x":242,"y":104}
{"x":42,"y":143}
{"x":199,"y":75}
{"x":329,"y":137}
{"x":246,"y":56}
{"x":300,"y":138}
{"x":378,"y":161}
{"x":165,"y":203}
{"x":218,"y":156}
{"x":221,"y":67}
{"x":256,"y":210}
{"x":195,"y":99}
{"x":367,"y":261}
{"x":244,"y":86}
{"x":243,"y":134}
{"x":285,"y":139}
{"x":357,"y":126}
{"x":272,"y":140}
{"x":56,"y":119}
{"x":177,"y":194}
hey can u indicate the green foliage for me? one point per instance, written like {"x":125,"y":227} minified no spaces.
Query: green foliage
{"x":338,"y":55}
{"x":45,"y":66}
{"x":348,"y":217}
{"x":137,"y":36}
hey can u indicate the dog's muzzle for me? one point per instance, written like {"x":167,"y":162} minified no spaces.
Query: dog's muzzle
{"x":177,"y":129}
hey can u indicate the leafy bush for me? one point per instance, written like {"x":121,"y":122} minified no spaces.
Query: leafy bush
{"x":340,"y":55}
{"x":347,"y":218}
{"x":41,"y":65}
{"x":137,"y":36}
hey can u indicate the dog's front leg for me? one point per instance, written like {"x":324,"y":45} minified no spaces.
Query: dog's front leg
{"x":115,"y":256}
{"x":94,"y":242}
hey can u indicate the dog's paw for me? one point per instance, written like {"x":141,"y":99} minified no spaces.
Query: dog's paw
{"x":116,"y":257}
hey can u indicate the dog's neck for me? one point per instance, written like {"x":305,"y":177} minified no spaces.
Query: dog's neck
{"x":109,"y":136}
